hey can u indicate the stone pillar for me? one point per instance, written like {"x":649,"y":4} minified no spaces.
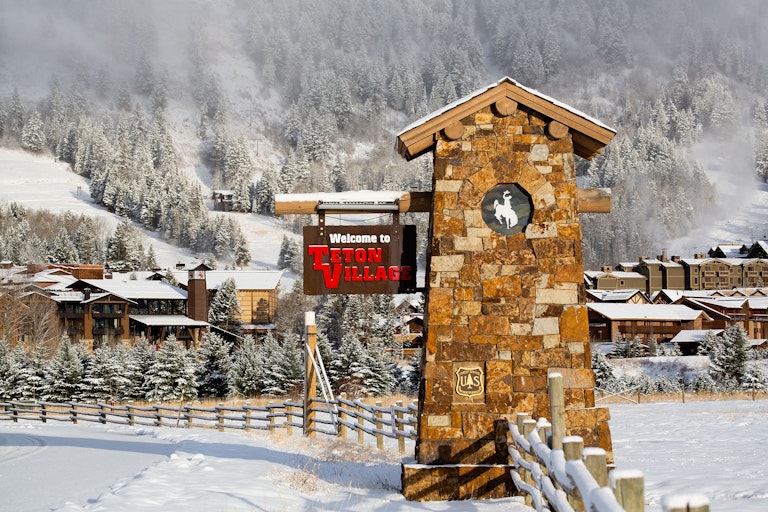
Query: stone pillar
{"x":505,"y":301}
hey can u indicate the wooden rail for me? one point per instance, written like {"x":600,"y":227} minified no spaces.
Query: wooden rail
{"x":559,"y":474}
{"x":335,"y":418}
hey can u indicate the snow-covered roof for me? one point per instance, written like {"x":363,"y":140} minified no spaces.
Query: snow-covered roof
{"x":245,"y":279}
{"x":666,"y":312}
{"x":589,"y":135}
{"x":614,"y":295}
{"x":478,"y":92}
{"x":168,"y":320}
{"x":137,"y":289}
{"x":693,"y":335}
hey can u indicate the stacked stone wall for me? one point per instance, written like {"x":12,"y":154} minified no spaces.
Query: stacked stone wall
{"x":509,"y":306}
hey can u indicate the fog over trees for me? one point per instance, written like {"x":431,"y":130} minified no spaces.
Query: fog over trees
{"x":150,"y":99}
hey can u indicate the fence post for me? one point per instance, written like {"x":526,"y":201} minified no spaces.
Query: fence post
{"x":288,"y":418}
{"x":219,"y":417}
{"x":247,"y":426}
{"x":379,"y":425}
{"x":102,"y":414}
{"x":343,"y":418}
{"x":629,"y":488}
{"x":361,"y":424}
{"x":572,"y":448}
{"x":15,"y":413}
{"x":129,"y":409}
{"x":271,"y":415}
{"x":43,"y":417}
{"x":397,"y":422}
{"x":73,"y":412}
{"x":158,"y":416}
{"x":595,"y":460}
{"x":557,"y":409}
{"x":310,"y":372}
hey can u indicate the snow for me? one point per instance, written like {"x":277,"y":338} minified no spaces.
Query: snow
{"x":711,"y":449}
{"x":39,"y":182}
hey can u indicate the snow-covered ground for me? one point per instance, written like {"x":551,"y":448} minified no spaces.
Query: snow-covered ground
{"x":712,"y":448}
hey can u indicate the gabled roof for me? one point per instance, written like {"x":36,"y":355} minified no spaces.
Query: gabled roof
{"x":168,"y":321}
{"x":133,"y":289}
{"x":616,"y":295}
{"x":661,"y":312}
{"x":589,"y":135}
{"x":244,"y":279}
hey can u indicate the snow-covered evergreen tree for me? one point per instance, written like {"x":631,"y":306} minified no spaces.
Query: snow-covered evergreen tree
{"x":754,"y":378}
{"x":140,"y":360}
{"x":107,"y":375}
{"x":214,"y":367}
{"x":247,"y":373}
{"x":728,"y":360}
{"x":283,"y":365}
{"x":63,"y":250}
{"x":172,"y":376}
{"x":30,"y":373}
{"x":225,"y":306}
{"x":33,"y":135}
{"x":604,"y":375}
{"x":64,"y":373}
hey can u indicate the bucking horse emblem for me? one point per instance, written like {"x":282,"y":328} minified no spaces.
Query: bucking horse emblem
{"x":503,"y":212}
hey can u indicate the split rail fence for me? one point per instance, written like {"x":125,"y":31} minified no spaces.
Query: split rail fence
{"x":336,"y":418}
{"x":559,"y":474}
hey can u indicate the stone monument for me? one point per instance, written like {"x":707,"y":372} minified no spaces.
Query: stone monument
{"x":504,"y":292}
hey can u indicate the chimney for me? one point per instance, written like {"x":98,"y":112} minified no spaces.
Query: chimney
{"x":197,"y":294}
{"x":664,"y":256}
{"x":676,"y":259}
{"x":607,"y":268}
{"x":87,"y":294}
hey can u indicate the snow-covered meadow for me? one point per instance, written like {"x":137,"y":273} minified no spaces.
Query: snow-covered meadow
{"x":714,"y":448}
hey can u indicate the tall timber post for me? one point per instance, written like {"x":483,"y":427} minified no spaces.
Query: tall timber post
{"x":505,"y":299}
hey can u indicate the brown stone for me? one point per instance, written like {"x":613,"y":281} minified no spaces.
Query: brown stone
{"x":488,"y":325}
{"x":448,"y":226}
{"x":439,"y":305}
{"x":465,"y":352}
{"x":511,"y":310}
{"x":574,"y":324}
{"x":439,"y":370}
{"x":470,"y":198}
{"x":529,"y":383}
{"x":447,"y":149}
{"x":570,"y":274}
{"x":499,"y":377}
{"x":505,"y":286}
{"x":550,"y":357}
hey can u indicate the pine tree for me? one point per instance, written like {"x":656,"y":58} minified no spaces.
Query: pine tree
{"x":30,"y":378}
{"x":62,"y":249}
{"x":225,"y":306}
{"x":708,"y":343}
{"x":140,"y":359}
{"x":64,"y":373}
{"x":107,"y":376}
{"x":283,"y":364}
{"x":728,"y":361}
{"x":754,"y":378}
{"x":604,"y":375}
{"x":172,"y":375}
{"x":214,"y":367}
{"x":8,"y":371}
{"x":33,"y":135}
{"x":349,"y":367}
{"x":247,"y":374}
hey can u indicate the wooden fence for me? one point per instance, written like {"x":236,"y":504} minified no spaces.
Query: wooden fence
{"x":335,"y":418}
{"x":559,"y":474}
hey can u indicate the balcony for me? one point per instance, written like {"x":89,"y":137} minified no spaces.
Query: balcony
{"x":107,"y":314}
{"x":115,"y":331}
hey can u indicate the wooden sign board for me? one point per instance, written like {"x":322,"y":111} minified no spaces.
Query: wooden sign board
{"x":359,"y":259}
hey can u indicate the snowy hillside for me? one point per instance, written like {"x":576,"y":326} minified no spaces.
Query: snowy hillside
{"x":38,"y":182}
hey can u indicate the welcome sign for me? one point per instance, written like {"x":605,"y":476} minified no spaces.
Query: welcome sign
{"x":359,"y":259}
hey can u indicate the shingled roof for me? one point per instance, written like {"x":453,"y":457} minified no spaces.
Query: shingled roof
{"x":589,"y":135}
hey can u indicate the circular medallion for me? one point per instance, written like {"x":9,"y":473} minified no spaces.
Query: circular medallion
{"x":506,"y":209}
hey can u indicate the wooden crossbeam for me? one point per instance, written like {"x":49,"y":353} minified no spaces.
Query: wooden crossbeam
{"x":590,"y":200}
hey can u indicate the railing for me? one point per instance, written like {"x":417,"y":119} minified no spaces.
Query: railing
{"x":559,"y":474}
{"x":395,"y":421}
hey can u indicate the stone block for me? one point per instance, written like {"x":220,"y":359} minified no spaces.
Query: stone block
{"x":439,"y":421}
{"x":543,"y":326}
{"x":449,"y":263}
{"x":555,"y":296}
{"x":503,"y":286}
{"x":447,"y":149}
{"x":545,"y":230}
{"x":467,"y":244}
{"x":539,"y":153}
{"x":544,"y":197}
{"x":489,"y":325}
{"x":447,"y":185}
{"x":484,"y":179}
{"x":576,"y":378}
